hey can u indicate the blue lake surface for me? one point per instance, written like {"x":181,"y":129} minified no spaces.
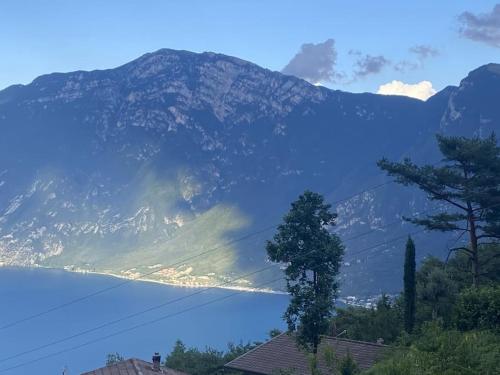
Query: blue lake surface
{"x":24,"y":292}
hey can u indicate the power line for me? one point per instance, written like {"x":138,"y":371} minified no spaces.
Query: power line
{"x":124,"y":282}
{"x":384,"y":226}
{"x":411,"y":234}
{"x":191,"y":295}
{"x":169,"y":302}
{"x":154,"y":320}
{"x":362,"y":192}
{"x":389,"y":241}
{"x":137,"y":326}
{"x":104,"y":290}
{"x":185,"y":297}
{"x":138,"y":313}
{"x":248,"y":235}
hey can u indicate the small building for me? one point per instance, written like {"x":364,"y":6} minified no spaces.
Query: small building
{"x":282,"y":354}
{"x":135,"y":367}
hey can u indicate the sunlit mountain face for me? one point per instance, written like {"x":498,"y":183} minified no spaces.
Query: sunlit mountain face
{"x":143,"y":167}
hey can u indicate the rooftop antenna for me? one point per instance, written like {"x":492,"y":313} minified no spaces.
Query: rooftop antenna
{"x":341,"y":333}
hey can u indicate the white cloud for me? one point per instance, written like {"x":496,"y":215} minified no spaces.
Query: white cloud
{"x":422,"y":90}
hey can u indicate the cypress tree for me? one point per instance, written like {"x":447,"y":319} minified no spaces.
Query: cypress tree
{"x":409,"y":286}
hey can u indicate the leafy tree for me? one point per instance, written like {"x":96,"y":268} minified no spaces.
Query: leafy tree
{"x":436,"y":291}
{"x":469,"y":183}
{"x":383,"y":321}
{"x":194,"y":361}
{"x":113,"y":358}
{"x":443,"y":352}
{"x":409,"y":295}
{"x":345,"y":365}
{"x":478,"y":309}
{"x":312,"y":256}
{"x":458,"y":267}
{"x":348,"y":366}
{"x":208,"y":362}
{"x":274,"y":332}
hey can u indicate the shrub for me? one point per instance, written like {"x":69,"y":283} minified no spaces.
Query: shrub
{"x":478,"y":309}
{"x":444,"y":352}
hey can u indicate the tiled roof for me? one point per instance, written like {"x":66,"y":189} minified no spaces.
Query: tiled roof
{"x":282,"y":353}
{"x":133,"y":367}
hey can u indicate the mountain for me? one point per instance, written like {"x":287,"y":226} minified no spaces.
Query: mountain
{"x":140,"y":168}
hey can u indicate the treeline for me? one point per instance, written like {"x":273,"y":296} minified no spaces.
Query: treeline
{"x":209,"y":361}
{"x":443,"y":295}
{"x":457,"y":327}
{"x":447,"y":318}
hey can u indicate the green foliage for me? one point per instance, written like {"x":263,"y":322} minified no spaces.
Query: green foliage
{"x":409,"y":294}
{"x":384,"y":321}
{"x":442,"y":294}
{"x":205,"y":230}
{"x":274,"y":332}
{"x":436,"y":292}
{"x":312,"y":256}
{"x":444,"y":352}
{"x":113,"y":358}
{"x":345,"y":365}
{"x":459,"y":269}
{"x":478,"y":309}
{"x":208,"y":362}
{"x":469,"y":183}
{"x":313,"y":364}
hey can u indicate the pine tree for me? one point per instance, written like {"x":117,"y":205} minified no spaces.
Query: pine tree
{"x":409,"y":286}
{"x":469,"y":183}
{"x":312,"y":256}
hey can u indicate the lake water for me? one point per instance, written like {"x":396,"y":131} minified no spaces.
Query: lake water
{"x":24,"y":292}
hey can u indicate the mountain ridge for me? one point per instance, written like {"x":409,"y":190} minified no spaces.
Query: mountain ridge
{"x":173,"y":153}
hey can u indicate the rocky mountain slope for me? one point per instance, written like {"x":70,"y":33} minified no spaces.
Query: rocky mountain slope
{"x":135,"y":169}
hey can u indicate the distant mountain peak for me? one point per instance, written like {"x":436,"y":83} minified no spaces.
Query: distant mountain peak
{"x":486,"y":71}
{"x":472,"y":106}
{"x":125,"y":169}
{"x":490,"y":68}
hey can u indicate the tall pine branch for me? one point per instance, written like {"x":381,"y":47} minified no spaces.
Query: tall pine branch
{"x":468,"y":182}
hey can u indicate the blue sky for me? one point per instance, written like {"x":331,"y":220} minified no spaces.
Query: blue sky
{"x":38,"y":36}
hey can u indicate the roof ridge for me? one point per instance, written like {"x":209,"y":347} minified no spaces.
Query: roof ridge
{"x":351,"y":340}
{"x":138,"y":371}
{"x":258,"y":346}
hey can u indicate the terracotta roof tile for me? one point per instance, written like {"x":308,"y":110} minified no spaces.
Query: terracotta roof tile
{"x":282,"y":353}
{"x":133,"y":367}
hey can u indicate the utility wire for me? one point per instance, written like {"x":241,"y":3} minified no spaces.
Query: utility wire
{"x":140,"y":325}
{"x":375,"y":187}
{"x":115,"y":286}
{"x":389,"y":241}
{"x":134,"y":327}
{"x":191,"y":295}
{"x":126,"y":281}
{"x":413,"y":233}
{"x":242,"y":238}
{"x":169,"y":302}
{"x":133,"y":315}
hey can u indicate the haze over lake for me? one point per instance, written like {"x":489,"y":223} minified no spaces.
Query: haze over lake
{"x":24,"y":292}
